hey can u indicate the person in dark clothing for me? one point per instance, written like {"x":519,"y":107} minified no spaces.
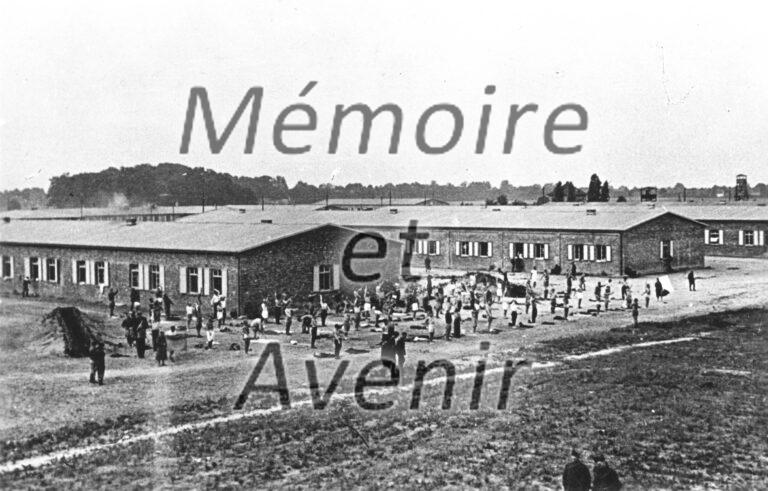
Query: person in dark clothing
{"x":111,"y":298}
{"x":569,"y":285}
{"x":603,"y":477}
{"x":400,"y":351}
{"x":576,"y":476}
{"x":659,"y":289}
{"x":598,"y":291}
{"x":246,"y":337}
{"x":25,"y":287}
{"x":306,"y":323}
{"x":141,"y":335}
{"x":323,"y":311}
{"x":573,"y":269}
{"x":388,"y":340}
{"x":161,"y":351}
{"x":635,"y":311}
{"x":337,"y":342}
{"x":312,"y":332}
{"x":128,"y":326}
{"x":96,"y":354}
{"x":448,"y":324}
{"x":457,"y":324}
{"x":534,"y":311}
{"x":167,"y":302}
{"x":691,"y":281}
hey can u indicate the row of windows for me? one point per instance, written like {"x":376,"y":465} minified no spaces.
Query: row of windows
{"x":141,"y":276}
{"x":523,"y":250}
{"x":746,"y":237}
{"x":590,"y":252}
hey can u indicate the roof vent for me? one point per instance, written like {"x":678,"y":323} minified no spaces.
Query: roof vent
{"x":241,"y":210}
{"x":266,"y":220}
{"x":495,"y":209}
{"x":393,"y":211}
{"x":131,"y":222}
{"x":591,"y":211}
{"x":6,"y":219}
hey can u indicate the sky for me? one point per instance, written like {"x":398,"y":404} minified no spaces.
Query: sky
{"x":675,"y":92}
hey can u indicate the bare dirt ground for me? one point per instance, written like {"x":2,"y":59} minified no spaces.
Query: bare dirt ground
{"x":47,"y":404}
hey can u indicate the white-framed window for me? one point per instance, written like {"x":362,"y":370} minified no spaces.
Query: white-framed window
{"x":666,"y":249}
{"x":752,"y":237}
{"x":52,"y":269}
{"x":713,"y":237}
{"x":81,"y":272}
{"x":325,"y":277}
{"x":428,"y":247}
{"x":602,"y":253}
{"x":34,"y":268}
{"x":216,"y":280}
{"x":193,"y":280}
{"x":100,"y":272}
{"x":7,"y":267}
{"x":154,"y":277}
{"x":517,"y":249}
{"x":483,"y":249}
{"x":579,"y":252}
{"x":134,"y":276}
{"x":541,"y":251}
{"x":464,"y":248}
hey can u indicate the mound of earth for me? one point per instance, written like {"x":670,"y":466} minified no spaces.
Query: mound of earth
{"x":67,"y":330}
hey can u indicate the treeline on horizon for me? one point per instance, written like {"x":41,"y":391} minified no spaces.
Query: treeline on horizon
{"x":175,"y":184}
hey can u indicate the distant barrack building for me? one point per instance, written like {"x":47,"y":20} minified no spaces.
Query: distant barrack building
{"x":598,"y":240}
{"x":371,"y":203}
{"x":246,"y":262}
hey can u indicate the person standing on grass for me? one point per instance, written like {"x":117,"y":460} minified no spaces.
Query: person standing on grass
{"x":400,"y":351}
{"x":607,"y":296}
{"x":659,"y":290}
{"x":312,"y":331}
{"x":135,"y":298}
{"x":430,"y":325}
{"x":246,"y":337}
{"x":337,"y":342}
{"x":209,"y":332}
{"x":264,"y":312}
{"x":323,"y":311}
{"x":553,"y":303}
{"x":628,"y":296}
{"x":691,"y":281}
{"x":635,"y":311}
{"x":534,"y":311}
{"x":25,"y":287}
{"x":568,"y":285}
{"x":199,"y":316}
{"x":546,"y":284}
{"x":189,"y":311}
{"x":96,"y":354}
{"x":127,"y":326}
{"x":647,"y":294}
{"x":288,"y":318}
{"x":111,"y":299}
{"x":456,"y":319}
{"x":167,"y":302}
{"x":579,"y":297}
{"x":576,"y":476}
{"x":598,"y":291}
{"x":141,"y":335}
{"x":566,"y":306}
{"x":582,"y":282}
{"x":155,"y":334}
{"x":161,"y":351}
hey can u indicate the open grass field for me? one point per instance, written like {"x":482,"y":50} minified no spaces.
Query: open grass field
{"x":678,"y":415}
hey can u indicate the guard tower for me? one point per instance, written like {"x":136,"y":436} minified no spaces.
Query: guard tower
{"x":648,"y":194}
{"x":741,"y":192}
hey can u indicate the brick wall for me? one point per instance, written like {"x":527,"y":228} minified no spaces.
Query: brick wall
{"x":730,"y":245}
{"x":288,"y":265}
{"x":118,"y":264}
{"x":500,"y":240}
{"x":641,"y":250}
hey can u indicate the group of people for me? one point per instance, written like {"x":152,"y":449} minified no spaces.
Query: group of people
{"x":576,"y":475}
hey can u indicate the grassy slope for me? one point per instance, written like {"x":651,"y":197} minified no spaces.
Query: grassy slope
{"x":662,"y":418}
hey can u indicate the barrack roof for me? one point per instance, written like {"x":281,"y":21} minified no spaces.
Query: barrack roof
{"x":155,"y":236}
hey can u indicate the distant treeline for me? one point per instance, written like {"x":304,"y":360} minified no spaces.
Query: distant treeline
{"x":168,"y":184}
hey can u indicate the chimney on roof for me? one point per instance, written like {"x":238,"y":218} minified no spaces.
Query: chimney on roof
{"x":6,"y":219}
{"x":131,"y":221}
{"x":266,"y":220}
{"x":393,"y":211}
{"x":591,"y":211}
